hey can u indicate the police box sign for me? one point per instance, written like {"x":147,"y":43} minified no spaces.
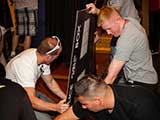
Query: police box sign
{"x":82,"y":56}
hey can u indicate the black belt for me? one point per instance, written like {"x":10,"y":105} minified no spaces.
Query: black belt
{"x":150,"y":86}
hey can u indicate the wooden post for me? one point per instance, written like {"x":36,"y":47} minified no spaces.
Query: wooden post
{"x":145,"y":15}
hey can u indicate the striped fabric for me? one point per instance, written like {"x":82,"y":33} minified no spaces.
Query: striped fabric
{"x":26,"y":21}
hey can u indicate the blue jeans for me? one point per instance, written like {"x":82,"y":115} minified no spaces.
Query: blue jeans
{"x":40,"y":115}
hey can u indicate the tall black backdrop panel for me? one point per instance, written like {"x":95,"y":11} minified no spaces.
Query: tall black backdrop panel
{"x":82,"y":56}
{"x":60,"y":19}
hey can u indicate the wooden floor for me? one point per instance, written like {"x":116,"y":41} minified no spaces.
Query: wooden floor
{"x":60,"y":72}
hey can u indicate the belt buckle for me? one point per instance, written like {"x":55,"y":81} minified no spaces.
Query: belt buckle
{"x":131,"y":81}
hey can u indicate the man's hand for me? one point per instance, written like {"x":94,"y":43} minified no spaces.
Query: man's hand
{"x":92,"y":8}
{"x":62,"y":106}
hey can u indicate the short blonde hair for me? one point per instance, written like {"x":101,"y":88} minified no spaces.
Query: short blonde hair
{"x":105,"y":13}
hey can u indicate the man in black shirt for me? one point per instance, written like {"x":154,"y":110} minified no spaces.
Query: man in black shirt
{"x":14,"y":101}
{"x":105,"y":102}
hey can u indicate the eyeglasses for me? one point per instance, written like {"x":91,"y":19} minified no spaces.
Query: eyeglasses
{"x":58,"y":45}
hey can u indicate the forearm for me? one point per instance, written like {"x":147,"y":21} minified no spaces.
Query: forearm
{"x":54,"y":87}
{"x":111,"y":76}
{"x":113,"y":70}
{"x":42,"y":105}
{"x":110,"y":79}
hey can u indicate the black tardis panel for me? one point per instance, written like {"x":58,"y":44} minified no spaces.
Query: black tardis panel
{"x":82,"y":56}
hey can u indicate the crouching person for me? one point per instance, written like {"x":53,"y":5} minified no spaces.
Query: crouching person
{"x":111,"y":102}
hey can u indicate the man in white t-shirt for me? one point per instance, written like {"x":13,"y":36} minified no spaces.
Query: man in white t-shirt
{"x":28,"y":66}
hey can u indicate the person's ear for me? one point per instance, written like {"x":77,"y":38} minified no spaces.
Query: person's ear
{"x":118,"y":19}
{"x":98,"y":100}
{"x":48,"y":57}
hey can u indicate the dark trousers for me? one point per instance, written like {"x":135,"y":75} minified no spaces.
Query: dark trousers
{"x":152,"y":87}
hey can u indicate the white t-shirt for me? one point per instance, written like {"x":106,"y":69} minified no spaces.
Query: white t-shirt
{"x":24,"y":70}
